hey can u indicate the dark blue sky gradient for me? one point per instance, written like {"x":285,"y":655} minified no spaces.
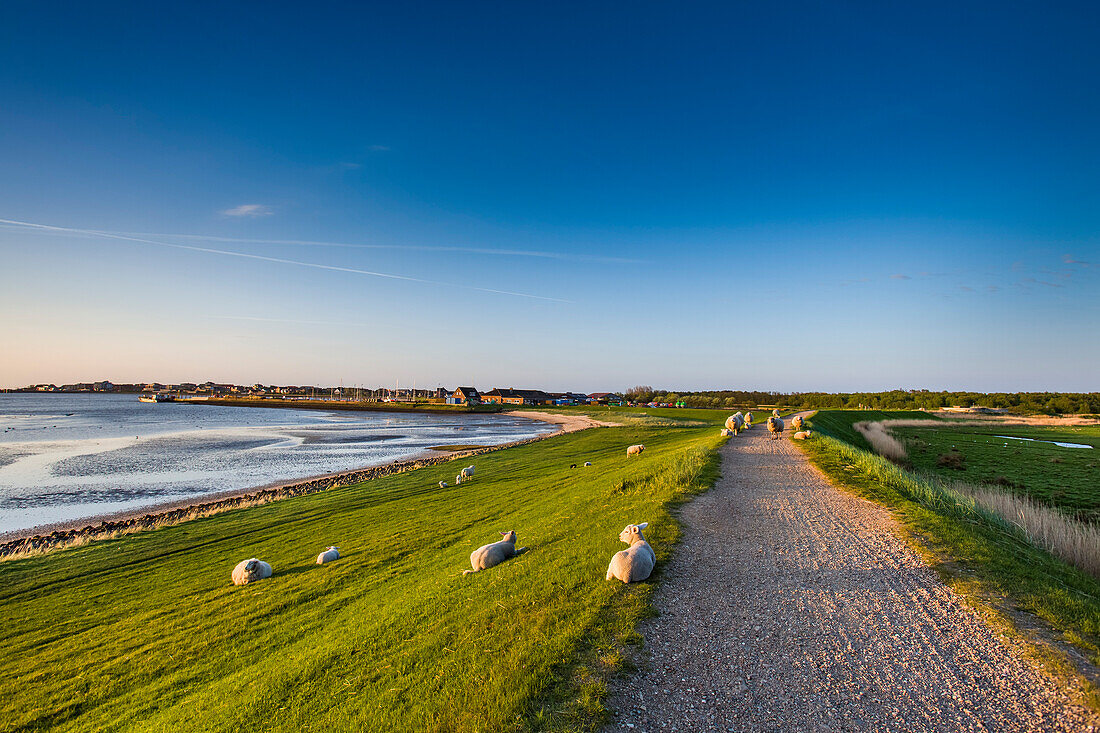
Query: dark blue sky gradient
{"x":734,"y":152}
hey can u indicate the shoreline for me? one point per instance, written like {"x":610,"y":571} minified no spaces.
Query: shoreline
{"x":102,"y":526}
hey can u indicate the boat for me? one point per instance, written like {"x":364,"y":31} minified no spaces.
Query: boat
{"x":158,"y":397}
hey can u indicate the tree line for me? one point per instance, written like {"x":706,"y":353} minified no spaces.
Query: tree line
{"x":1049,"y":403}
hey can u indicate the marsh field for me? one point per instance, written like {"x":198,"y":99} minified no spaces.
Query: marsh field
{"x":145,"y":632}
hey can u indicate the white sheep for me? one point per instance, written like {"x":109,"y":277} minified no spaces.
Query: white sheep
{"x":468,"y":472}
{"x":635,"y":562}
{"x":726,"y":432}
{"x":458,"y":479}
{"x":635,"y":450}
{"x":442,"y":484}
{"x":249,"y":571}
{"x":587,"y":463}
{"x":748,"y":419}
{"x":796,"y":422}
{"x":332,"y":553}
{"x":775,"y":426}
{"x":802,"y":434}
{"x":495,"y":553}
{"x":775,"y":412}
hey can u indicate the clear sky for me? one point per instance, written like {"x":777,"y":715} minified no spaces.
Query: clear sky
{"x":810,"y":196}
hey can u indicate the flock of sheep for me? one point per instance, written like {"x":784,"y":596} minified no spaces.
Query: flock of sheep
{"x":634,"y":564}
{"x":630,"y":565}
{"x":737,"y":422}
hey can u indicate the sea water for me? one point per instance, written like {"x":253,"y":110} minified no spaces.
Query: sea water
{"x":67,"y":457}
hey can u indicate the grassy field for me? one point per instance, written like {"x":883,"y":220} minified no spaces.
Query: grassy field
{"x":146,"y":633}
{"x":976,"y":551}
{"x":1067,"y":478}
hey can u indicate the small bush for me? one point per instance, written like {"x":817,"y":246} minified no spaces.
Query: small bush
{"x":953,"y":460}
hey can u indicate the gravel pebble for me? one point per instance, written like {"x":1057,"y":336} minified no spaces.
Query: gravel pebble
{"x":791,"y":605}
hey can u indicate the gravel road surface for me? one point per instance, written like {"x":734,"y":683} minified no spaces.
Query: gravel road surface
{"x":791,"y":606}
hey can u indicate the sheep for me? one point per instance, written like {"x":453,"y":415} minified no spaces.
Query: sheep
{"x":468,"y":472}
{"x":734,"y":423}
{"x":442,"y":484}
{"x":249,"y":571}
{"x":775,"y":427}
{"x":587,"y":464}
{"x":748,"y":419}
{"x":775,"y":412}
{"x":495,"y":553}
{"x":796,"y":422}
{"x":332,"y":553}
{"x":636,"y":562}
{"x":635,"y":450}
{"x":802,"y":434}
{"x":725,"y":432}
{"x":458,"y":479}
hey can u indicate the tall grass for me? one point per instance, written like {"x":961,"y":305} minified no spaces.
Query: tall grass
{"x":879,"y":438}
{"x":1076,"y":542}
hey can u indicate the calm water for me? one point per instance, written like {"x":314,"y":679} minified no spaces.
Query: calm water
{"x":65,"y":457}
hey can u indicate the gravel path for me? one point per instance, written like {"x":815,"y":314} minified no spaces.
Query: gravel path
{"x":791,"y":606}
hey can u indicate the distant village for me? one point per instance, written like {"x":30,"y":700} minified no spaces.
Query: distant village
{"x":438,"y":395}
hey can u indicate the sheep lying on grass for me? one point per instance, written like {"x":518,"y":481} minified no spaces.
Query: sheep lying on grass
{"x":802,"y":434}
{"x":775,"y":427}
{"x":635,"y":450}
{"x":442,"y":484}
{"x":489,"y":555}
{"x":635,"y":562}
{"x":587,"y":463}
{"x":332,"y":553}
{"x":249,"y":571}
{"x":796,"y":422}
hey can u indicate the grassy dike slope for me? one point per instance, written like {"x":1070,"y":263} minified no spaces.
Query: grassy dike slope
{"x":146,"y":633}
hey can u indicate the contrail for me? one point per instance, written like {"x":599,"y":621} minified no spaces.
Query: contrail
{"x":264,"y":258}
{"x":414,"y":247}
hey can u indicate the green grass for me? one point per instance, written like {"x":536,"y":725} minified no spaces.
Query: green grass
{"x":970,"y":545}
{"x":1067,"y":478}
{"x":146,"y":633}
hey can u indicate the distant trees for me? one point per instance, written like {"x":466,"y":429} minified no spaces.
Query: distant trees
{"x":1050,"y":403}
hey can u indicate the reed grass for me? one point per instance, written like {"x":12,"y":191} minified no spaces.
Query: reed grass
{"x":880,"y":439}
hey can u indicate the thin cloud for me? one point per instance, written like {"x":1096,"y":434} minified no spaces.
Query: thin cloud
{"x":278,"y":260}
{"x":249,"y":210}
{"x":1070,"y":260}
{"x":1029,"y":281}
{"x":966,"y":288}
{"x":410,"y":247}
{"x":900,"y":277}
{"x":992,"y":288}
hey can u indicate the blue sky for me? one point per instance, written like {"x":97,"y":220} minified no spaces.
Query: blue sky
{"x":822,"y":196}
